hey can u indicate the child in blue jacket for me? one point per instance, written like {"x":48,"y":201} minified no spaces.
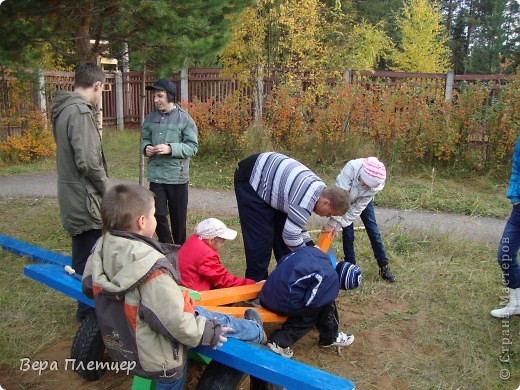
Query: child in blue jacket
{"x":303,"y":287}
{"x":510,"y":244}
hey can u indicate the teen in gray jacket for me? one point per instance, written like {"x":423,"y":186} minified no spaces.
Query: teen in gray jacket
{"x":363,"y":178}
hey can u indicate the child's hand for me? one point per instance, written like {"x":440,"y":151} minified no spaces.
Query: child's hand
{"x":221,"y":338}
{"x":330,"y":229}
{"x":163,"y":149}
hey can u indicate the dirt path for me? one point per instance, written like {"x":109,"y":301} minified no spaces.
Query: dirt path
{"x":214,"y":202}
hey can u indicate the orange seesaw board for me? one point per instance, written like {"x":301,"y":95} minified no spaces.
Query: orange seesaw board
{"x":238,"y":312}
{"x":225,"y":296}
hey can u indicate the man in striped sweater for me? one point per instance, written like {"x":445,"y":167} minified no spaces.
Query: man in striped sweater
{"x":276,"y":195}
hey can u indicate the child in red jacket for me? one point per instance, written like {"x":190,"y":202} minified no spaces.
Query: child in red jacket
{"x":199,"y":260}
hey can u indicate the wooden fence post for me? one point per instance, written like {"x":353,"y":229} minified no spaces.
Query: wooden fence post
{"x":450,"y":81}
{"x":184,"y":84}
{"x":42,"y":102}
{"x":259,"y":96}
{"x":348,"y":76}
{"x":120,"y":120}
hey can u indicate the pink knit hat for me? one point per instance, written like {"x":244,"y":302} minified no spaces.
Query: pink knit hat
{"x":373,"y":172}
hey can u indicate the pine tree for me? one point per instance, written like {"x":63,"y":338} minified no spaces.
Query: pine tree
{"x":162,"y":33}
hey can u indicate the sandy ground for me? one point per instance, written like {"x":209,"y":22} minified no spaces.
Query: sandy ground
{"x":351,"y":362}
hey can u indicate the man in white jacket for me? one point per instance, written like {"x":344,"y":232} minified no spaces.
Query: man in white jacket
{"x":363,"y":178}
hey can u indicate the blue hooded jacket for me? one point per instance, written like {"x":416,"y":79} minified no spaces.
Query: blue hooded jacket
{"x":513,"y":192}
{"x":304,"y":279}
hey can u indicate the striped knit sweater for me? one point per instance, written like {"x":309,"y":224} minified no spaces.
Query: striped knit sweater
{"x":289,"y":186}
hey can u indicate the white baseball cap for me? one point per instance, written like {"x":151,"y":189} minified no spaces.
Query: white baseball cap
{"x":213,"y":227}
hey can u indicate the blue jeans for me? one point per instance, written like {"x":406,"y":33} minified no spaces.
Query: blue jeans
{"x":176,"y":384}
{"x":508,"y":249}
{"x":244,"y":330}
{"x":369,"y":220}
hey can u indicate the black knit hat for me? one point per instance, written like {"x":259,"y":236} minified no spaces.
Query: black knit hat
{"x":164,"y":85}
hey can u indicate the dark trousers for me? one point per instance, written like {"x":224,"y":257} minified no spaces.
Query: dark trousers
{"x":171,"y":199}
{"x":262,"y":228}
{"x":368,"y":217}
{"x":82,"y":245}
{"x":296,"y":326}
{"x":508,"y":249}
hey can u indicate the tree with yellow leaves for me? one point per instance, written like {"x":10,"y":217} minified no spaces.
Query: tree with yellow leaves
{"x":423,"y":45}
{"x":305,"y":36}
{"x":245,"y":51}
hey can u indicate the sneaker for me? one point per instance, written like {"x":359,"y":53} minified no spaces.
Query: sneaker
{"x":285,"y":352}
{"x":253,"y":315}
{"x":386,"y":274}
{"x":343,"y":340}
{"x":253,"y":302}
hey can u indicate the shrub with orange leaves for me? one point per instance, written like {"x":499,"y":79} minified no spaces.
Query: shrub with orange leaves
{"x":24,"y":135}
{"x":34,"y":143}
{"x":408,"y":123}
{"x":222,"y":124}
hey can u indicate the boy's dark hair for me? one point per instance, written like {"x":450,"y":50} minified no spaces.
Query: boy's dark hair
{"x":87,"y":74}
{"x":339,"y":199}
{"x":122,"y":204}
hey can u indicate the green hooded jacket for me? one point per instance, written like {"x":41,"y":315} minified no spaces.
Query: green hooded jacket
{"x":177,"y":129}
{"x":81,"y":166}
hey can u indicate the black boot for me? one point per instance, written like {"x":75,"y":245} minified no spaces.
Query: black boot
{"x":386,"y":274}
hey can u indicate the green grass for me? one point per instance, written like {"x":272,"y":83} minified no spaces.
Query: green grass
{"x":430,"y":330}
{"x":33,"y":317}
{"x":443,"y":191}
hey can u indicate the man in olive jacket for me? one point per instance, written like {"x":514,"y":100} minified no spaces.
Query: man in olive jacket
{"x":81,"y":166}
{"x":169,"y":140}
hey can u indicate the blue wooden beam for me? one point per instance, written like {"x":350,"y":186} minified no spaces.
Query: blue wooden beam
{"x":273,"y":368}
{"x":33,"y":252}
{"x":54,"y":276}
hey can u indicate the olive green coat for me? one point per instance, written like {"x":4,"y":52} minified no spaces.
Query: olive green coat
{"x":81,"y":166}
